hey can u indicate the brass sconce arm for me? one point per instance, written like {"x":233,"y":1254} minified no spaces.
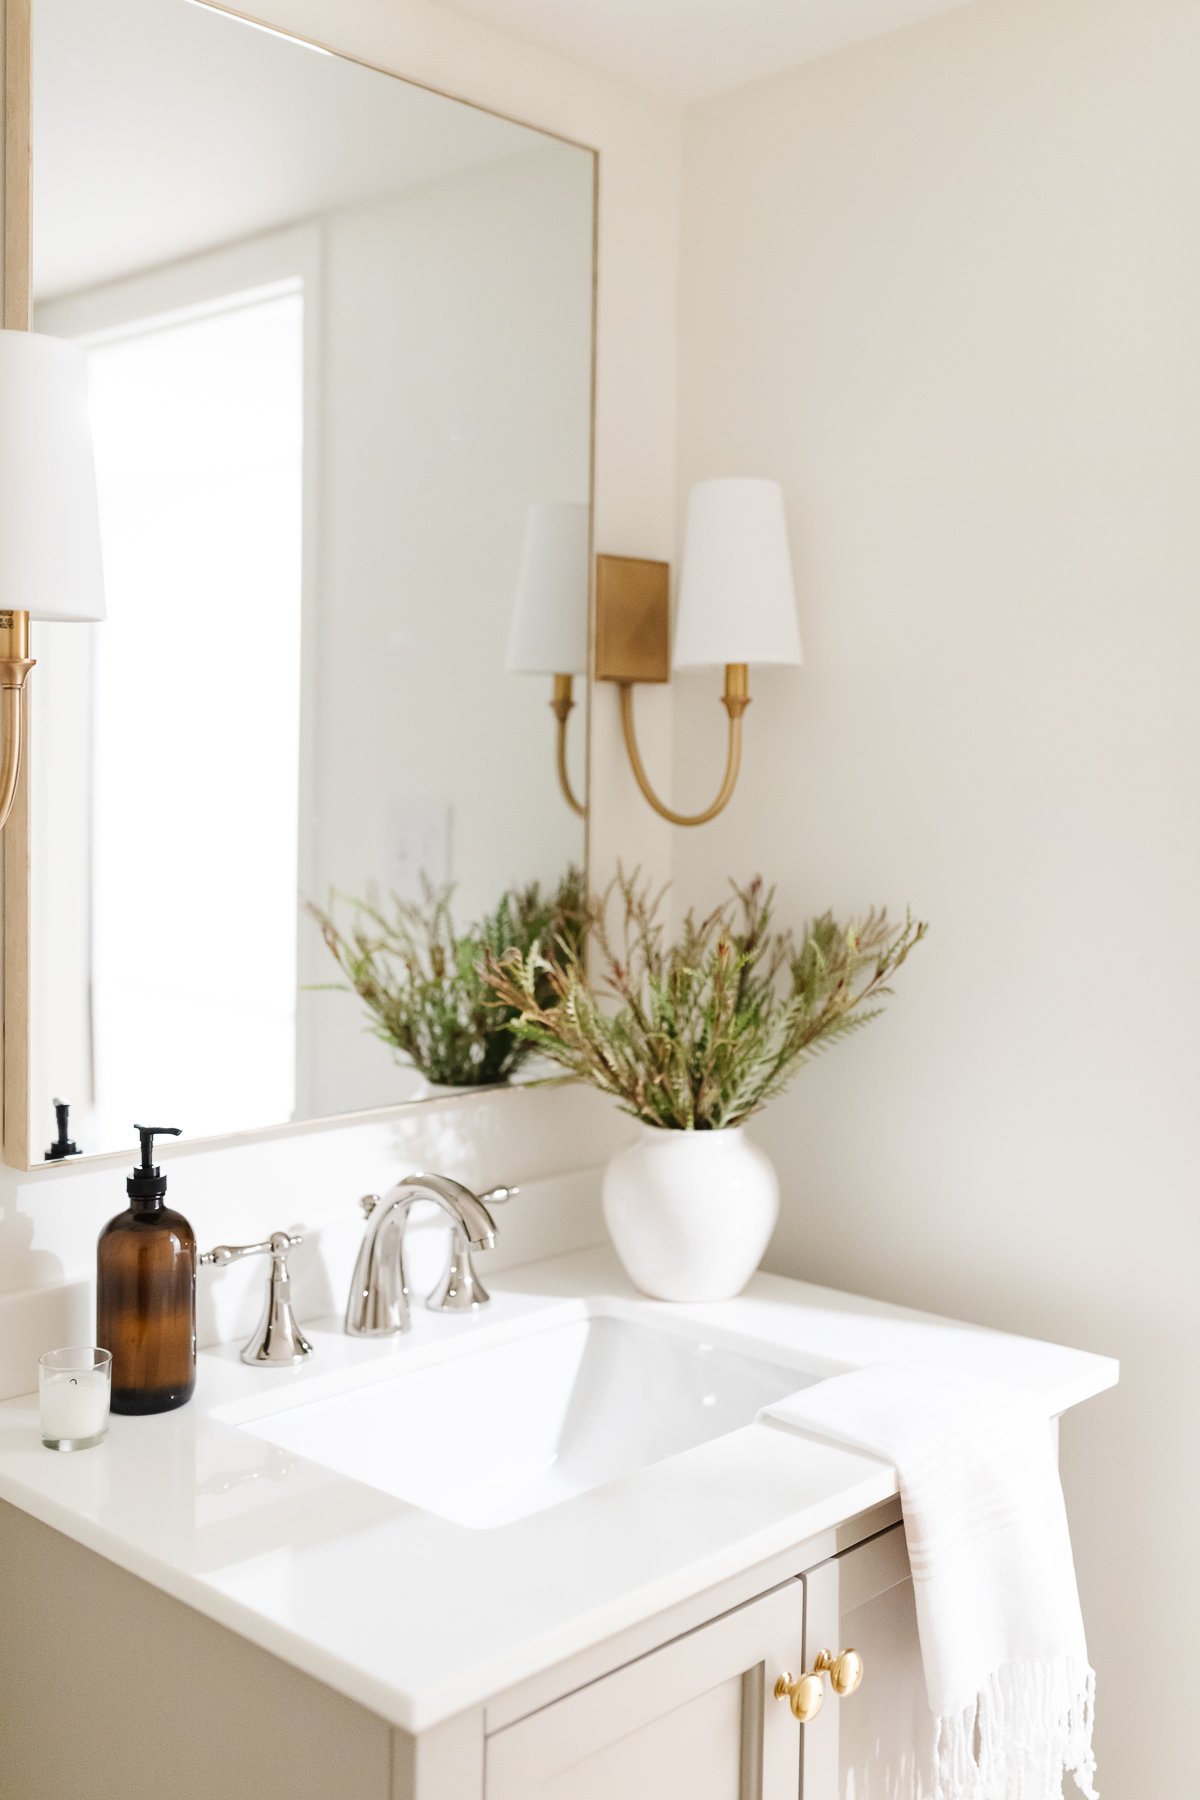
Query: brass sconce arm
{"x":561,"y":706}
{"x":736,"y":594}
{"x":632,"y":629}
{"x":15,"y":664}
{"x":735,"y":700}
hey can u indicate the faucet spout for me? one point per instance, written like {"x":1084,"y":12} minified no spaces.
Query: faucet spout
{"x":465,"y":1208}
{"x":378,"y":1304}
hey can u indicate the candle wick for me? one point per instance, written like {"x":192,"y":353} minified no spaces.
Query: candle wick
{"x":74,"y":1383}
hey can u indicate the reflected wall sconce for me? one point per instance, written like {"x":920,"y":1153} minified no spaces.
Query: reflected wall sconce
{"x":736,"y":606}
{"x":549,"y":623}
{"x":50,"y":564}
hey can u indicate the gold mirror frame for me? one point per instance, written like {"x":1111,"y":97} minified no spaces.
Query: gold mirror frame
{"x":15,"y":315}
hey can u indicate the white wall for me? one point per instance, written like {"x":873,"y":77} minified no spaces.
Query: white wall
{"x":946,"y":287}
{"x":48,"y":1219}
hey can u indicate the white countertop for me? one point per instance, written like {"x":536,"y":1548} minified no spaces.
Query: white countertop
{"x":417,"y":1618}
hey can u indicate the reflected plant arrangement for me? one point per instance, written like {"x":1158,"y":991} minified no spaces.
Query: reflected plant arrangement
{"x":698,"y":1032}
{"x":422,"y":978}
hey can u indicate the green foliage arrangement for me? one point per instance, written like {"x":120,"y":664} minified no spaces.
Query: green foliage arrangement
{"x":698,"y":1034}
{"x":422,"y":982}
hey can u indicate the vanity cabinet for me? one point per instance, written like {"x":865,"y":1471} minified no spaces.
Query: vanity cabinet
{"x":688,"y":1709}
{"x":695,"y":1717}
{"x":699,"y":1716}
{"x":877,"y":1741}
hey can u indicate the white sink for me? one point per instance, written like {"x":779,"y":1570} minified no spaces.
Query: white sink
{"x":493,"y":1435}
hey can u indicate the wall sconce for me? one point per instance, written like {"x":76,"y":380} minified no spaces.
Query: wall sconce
{"x":49,"y":517}
{"x":737,"y":606}
{"x":549,"y":623}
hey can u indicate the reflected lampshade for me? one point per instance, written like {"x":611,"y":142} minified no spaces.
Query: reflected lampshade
{"x":549,"y":623}
{"x":50,"y":563}
{"x":737,"y":599}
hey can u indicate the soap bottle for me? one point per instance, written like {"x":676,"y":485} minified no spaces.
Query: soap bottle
{"x":146,"y":1293}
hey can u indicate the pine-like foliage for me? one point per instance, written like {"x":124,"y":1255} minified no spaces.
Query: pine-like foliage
{"x":699,"y":1033}
{"x":421,"y":978}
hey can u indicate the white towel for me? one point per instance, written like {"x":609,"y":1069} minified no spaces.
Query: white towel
{"x":1002,"y":1643}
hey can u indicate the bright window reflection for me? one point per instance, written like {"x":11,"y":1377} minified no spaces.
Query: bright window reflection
{"x":198,"y":429}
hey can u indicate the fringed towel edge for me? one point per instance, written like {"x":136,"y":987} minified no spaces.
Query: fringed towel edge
{"x":1030,"y":1726}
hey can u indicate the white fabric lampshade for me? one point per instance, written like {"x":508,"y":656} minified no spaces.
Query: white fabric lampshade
{"x":549,"y":624}
{"x":49,"y":517}
{"x":737,"y":600}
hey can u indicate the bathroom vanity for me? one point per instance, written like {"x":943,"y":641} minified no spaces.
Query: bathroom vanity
{"x":557,"y":1548}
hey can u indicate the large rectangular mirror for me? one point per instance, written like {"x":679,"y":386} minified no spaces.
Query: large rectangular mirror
{"x":339,"y":332}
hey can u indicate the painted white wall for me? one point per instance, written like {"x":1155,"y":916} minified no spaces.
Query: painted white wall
{"x":48,"y":1219}
{"x":945,"y":286}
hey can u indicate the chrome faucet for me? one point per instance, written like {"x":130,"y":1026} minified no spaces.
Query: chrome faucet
{"x":378,"y":1304}
{"x":461,"y":1286}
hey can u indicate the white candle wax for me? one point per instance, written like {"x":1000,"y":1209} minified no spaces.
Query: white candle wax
{"x":75,"y":1405}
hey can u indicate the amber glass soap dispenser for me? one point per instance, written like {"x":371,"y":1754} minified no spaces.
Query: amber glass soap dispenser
{"x":146,"y":1293}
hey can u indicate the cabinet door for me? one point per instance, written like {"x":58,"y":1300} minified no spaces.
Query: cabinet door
{"x":696,"y":1718}
{"x":877,"y":1742}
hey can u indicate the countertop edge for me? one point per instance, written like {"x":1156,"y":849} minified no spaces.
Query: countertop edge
{"x":415,"y":1713}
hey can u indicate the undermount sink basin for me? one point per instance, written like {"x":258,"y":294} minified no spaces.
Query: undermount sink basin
{"x":495,"y":1434}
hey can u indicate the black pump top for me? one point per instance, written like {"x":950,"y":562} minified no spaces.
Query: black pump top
{"x":64,"y":1144}
{"x":148,"y":1183}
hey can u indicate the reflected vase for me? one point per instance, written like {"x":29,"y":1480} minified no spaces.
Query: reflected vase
{"x":424,"y":1089}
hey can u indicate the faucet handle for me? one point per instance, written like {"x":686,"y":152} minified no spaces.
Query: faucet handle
{"x":277,"y":1341}
{"x":461,"y":1288}
{"x":498,"y":1195}
{"x":368,"y":1203}
{"x":221,"y":1254}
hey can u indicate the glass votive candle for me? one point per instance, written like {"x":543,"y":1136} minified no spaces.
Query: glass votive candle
{"x":73,"y":1388}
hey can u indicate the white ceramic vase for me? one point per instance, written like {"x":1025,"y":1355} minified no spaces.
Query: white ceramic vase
{"x":690,"y":1213}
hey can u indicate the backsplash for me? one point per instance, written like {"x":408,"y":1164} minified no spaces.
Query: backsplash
{"x":552,"y":1142}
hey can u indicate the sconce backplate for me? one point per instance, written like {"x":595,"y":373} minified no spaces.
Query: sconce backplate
{"x":632,"y":619}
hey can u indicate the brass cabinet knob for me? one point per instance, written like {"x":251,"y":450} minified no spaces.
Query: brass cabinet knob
{"x":805,"y":1693}
{"x":845,"y":1671}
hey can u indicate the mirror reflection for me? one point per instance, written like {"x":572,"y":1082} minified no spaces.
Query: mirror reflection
{"x":330,"y":736}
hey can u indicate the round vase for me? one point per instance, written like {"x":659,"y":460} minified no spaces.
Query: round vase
{"x":691,"y":1213}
